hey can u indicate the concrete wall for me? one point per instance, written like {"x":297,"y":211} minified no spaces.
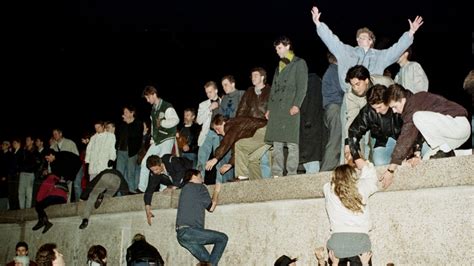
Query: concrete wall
{"x":426,"y":217}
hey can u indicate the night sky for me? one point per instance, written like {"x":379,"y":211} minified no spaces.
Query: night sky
{"x":84,"y":59}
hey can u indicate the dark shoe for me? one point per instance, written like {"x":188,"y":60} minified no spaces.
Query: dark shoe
{"x":99,"y":200}
{"x":442,"y":154}
{"x":138,"y":191}
{"x":47,"y":226}
{"x":84,"y":223}
{"x":38,"y":225}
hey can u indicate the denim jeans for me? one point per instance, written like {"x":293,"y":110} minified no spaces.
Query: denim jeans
{"x":191,"y":156}
{"x":383,"y":155}
{"x":161,"y":149}
{"x":222,"y":178}
{"x":210,"y":145}
{"x":194,"y":240}
{"x":78,"y":183}
{"x":312,"y":167}
{"x":265,"y":165}
{"x":472,"y":131}
{"x":127,"y":166}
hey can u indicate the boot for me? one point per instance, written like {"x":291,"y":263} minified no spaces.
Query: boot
{"x":47,"y":225}
{"x":99,"y":200}
{"x":84,"y":223}
{"x":39,"y":224}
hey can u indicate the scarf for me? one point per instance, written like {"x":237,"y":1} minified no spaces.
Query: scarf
{"x":285,"y":60}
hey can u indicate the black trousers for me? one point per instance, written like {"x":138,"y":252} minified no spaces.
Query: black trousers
{"x":48,"y":201}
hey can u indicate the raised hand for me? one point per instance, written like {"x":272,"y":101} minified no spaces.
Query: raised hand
{"x":365,"y":257}
{"x":334,"y":259}
{"x":319,"y":252}
{"x":316,"y":14}
{"x":416,"y":24}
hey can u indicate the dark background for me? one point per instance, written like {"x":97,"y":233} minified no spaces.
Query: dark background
{"x":68,"y":63}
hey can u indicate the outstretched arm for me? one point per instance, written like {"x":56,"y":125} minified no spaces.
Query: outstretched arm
{"x":387,"y":176}
{"x":316,"y":14}
{"x":149,"y":214}
{"x":415,"y":25}
{"x":215,"y":197}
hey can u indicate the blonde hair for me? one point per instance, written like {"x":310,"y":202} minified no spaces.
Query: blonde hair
{"x":369,"y":32}
{"x":344,"y":181}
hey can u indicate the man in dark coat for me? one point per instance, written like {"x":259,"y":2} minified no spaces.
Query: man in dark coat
{"x":64,"y":164}
{"x":312,"y":127}
{"x":167,"y":171}
{"x":289,"y":87}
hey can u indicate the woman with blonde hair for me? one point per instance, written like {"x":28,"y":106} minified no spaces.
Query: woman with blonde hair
{"x":346,"y":199}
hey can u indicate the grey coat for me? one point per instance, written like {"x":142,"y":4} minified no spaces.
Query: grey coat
{"x":288,"y":90}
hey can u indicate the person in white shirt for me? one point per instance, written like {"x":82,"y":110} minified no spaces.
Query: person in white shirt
{"x":100,"y":152}
{"x":411,"y":75}
{"x":346,"y":198}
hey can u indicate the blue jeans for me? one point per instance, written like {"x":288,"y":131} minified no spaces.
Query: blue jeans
{"x":383,"y":155}
{"x":194,"y":240}
{"x":312,"y":167}
{"x":472,"y":131}
{"x":191,"y":156}
{"x":222,"y":178}
{"x":210,"y":145}
{"x":78,"y":183}
{"x":265,"y":165}
{"x":127,"y":166}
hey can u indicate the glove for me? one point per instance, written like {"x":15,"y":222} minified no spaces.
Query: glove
{"x":110,"y":163}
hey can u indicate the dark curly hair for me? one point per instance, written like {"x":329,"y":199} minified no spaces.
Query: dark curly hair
{"x":97,"y":253}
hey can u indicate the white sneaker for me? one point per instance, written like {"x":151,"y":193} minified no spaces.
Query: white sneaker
{"x":241,"y":177}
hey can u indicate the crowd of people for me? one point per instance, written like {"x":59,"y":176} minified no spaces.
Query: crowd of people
{"x":139,"y":253}
{"x":369,"y":119}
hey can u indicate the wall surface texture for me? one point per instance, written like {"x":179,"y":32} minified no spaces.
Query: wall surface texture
{"x":425,"y":217}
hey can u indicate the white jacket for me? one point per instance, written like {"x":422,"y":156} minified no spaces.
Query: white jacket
{"x":204,"y":118}
{"x":99,"y":151}
{"x":412,"y":77}
{"x":342,"y":219}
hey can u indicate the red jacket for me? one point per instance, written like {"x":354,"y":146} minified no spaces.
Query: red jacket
{"x":48,"y":188}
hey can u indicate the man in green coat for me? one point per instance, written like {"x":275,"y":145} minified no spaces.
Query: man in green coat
{"x":286,"y":96}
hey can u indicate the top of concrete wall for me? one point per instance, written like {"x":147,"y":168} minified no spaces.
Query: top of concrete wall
{"x":455,"y":171}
